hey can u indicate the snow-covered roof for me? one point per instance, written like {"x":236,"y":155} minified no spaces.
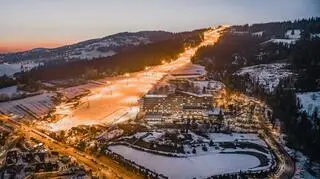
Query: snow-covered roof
{"x":194,"y":94}
{"x":155,"y":96}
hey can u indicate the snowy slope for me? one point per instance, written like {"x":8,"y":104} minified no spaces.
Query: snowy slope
{"x":10,"y":69}
{"x":309,"y":101}
{"x":267,"y":75}
{"x":30,"y":107}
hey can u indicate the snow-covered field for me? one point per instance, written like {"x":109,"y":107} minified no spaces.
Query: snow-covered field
{"x":287,"y":42}
{"x":75,"y":91}
{"x":267,"y":75}
{"x":210,"y":85}
{"x":12,"y":68}
{"x":9,"y":91}
{"x":257,"y":34}
{"x":200,"y":166}
{"x":313,"y":36}
{"x":247,"y":137}
{"x":309,"y":101}
{"x":293,"y":34}
{"x":190,"y":70}
{"x":98,"y":49}
{"x":35,"y":106}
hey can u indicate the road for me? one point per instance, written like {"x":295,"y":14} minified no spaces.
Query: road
{"x":123,"y":92}
{"x":285,"y":166}
{"x":101,"y":166}
{"x":116,"y":99}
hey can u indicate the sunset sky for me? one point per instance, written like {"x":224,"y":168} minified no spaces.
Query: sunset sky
{"x":26,"y":24}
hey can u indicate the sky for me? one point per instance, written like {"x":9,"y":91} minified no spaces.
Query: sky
{"x":27,"y":24}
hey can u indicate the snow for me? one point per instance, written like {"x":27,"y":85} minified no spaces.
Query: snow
{"x":9,"y":91}
{"x":75,"y":91}
{"x":313,"y":36}
{"x":267,"y":75}
{"x":155,"y":96}
{"x":240,"y":137}
{"x":12,"y":68}
{"x":200,"y":166}
{"x":309,"y":101}
{"x":211,"y":85}
{"x":83,"y":54}
{"x":257,"y":34}
{"x":149,"y":136}
{"x":293,"y":34}
{"x":287,"y":42}
{"x":111,"y":134}
{"x":103,"y":48}
{"x":35,"y":106}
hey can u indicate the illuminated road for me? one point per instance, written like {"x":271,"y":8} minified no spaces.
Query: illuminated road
{"x":118,"y":101}
{"x":102,"y":166}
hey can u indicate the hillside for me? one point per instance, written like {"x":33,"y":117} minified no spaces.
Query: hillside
{"x":279,"y":63}
{"x":90,"y":49}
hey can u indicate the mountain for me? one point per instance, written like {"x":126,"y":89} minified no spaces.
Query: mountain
{"x":89,"y":49}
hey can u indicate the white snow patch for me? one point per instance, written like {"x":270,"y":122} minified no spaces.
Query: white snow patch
{"x":200,"y":166}
{"x":309,"y":101}
{"x":9,"y":91}
{"x":257,"y":34}
{"x":267,"y":75}
{"x":293,"y":34}
{"x":11,"y":68}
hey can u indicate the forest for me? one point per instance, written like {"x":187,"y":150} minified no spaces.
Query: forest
{"x":234,"y":51}
{"x":131,"y":60}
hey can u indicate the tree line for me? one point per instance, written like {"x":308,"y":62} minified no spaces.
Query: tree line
{"x":132,"y":60}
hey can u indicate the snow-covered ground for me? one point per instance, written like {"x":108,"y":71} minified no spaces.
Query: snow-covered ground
{"x":313,"y":36}
{"x":75,"y":91}
{"x":309,"y":101}
{"x":257,"y":34}
{"x":200,"y":166}
{"x":98,"y":49}
{"x":9,"y":91}
{"x":286,"y":42}
{"x":189,"y":71}
{"x":247,"y":137}
{"x":293,"y":34}
{"x":302,"y":169}
{"x":210,"y":85}
{"x":35,"y":106}
{"x":12,"y":68}
{"x":111,"y":134}
{"x":267,"y":75}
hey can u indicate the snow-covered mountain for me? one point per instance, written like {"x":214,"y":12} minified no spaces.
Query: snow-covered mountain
{"x":90,"y":49}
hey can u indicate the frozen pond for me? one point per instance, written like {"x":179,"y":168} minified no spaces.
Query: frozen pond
{"x":200,"y":166}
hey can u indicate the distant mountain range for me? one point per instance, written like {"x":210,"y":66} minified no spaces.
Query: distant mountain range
{"x":89,"y":49}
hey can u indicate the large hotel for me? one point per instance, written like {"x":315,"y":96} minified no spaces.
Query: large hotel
{"x":186,"y":98}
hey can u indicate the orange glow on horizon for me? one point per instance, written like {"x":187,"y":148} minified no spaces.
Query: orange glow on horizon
{"x":18,"y":46}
